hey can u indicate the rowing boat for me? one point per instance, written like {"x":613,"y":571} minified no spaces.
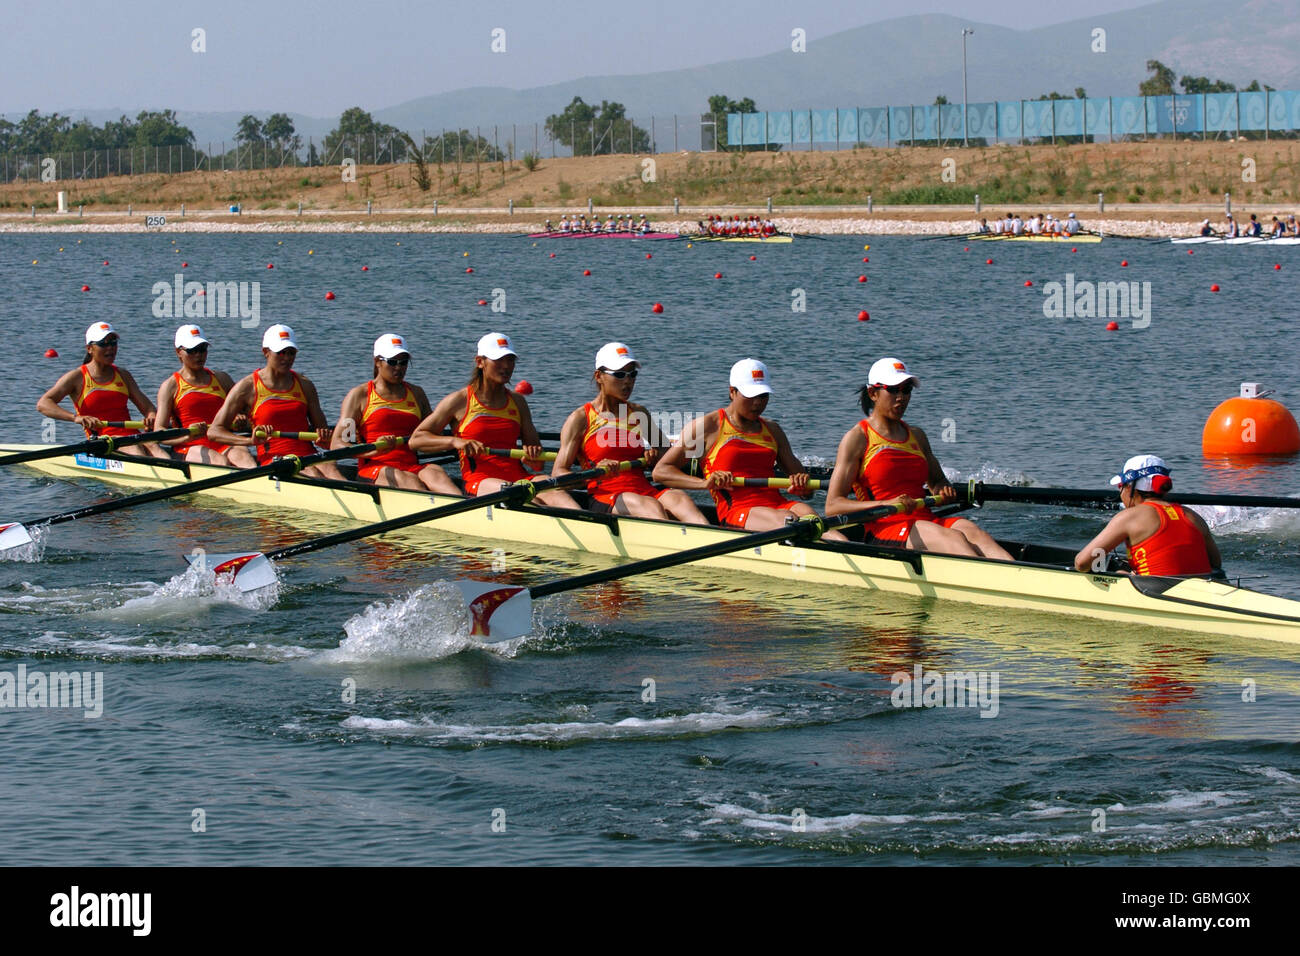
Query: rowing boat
{"x":771,"y":240}
{"x":1080,"y":239}
{"x":603,"y":235}
{"x":1238,"y":241}
{"x":1038,"y":580}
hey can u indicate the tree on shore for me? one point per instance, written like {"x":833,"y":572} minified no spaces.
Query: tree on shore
{"x":720,"y":106}
{"x":1159,"y":83}
{"x":359,"y":137}
{"x":591,"y":132}
{"x":460,"y":146}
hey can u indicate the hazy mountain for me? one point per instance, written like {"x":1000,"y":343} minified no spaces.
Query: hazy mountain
{"x":905,"y":60}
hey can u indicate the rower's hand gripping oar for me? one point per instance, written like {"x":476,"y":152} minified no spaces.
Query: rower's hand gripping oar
{"x":978,"y":493}
{"x":104,"y":445}
{"x":252,"y":570}
{"x":503,"y":611}
{"x":17,"y":535}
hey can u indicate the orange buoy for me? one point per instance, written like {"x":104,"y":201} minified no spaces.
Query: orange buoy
{"x":657,"y":308}
{"x":524,"y":388}
{"x":1250,"y":425}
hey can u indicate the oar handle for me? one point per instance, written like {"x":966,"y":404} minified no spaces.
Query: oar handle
{"x":124,"y":424}
{"x":296,"y":436}
{"x":519,"y":453}
{"x":813,"y":485}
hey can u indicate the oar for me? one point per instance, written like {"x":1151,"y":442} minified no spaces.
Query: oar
{"x":17,"y":535}
{"x":519,"y":453}
{"x":814,"y":485}
{"x":104,"y":445}
{"x":1109,"y":500}
{"x":499,"y":611}
{"x":252,"y":570}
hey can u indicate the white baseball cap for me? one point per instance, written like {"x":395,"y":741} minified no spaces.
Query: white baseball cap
{"x":188,"y":336}
{"x":99,"y":331}
{"x":614,"y":356}
{"x":278,"y":338}
{"x":890,"y":371}
{"x":495,"y":345}
{"x":1140,"y":470}
{"x":750,"y":378}
{"x":390,"y":345}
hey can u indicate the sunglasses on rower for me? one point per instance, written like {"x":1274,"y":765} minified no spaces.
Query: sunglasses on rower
{"x":398,"y":362}
{"x":201,"y":347}
{"x":905,"y":388}
{"x":621,"y":373}
{"x":107,"y":343}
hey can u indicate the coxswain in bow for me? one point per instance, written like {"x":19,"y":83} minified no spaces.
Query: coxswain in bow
{"x":883,"y":460}
{"x":388,"y":406}
{"x":1163,"y":538}
{"x":99,"y":391}
{"x":193,"y":396}
{"x":738,"y":442}
{"x":275,"y":398}
{"x":486,"y":415}
{"x":610,"y":429}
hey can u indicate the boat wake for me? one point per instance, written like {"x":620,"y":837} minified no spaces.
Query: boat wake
{"x":191,"y":590}
{"x":117,"y":648}
{"x":1223,"y":519}
{"x":430,"y":623}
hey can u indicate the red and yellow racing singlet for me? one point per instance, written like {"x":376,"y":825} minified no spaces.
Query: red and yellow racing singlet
{"x":621,"y":440}
{"x":282,"y":411}
{"x":745,"y":455}
{"x":198,"y":403}
{"x":892,"y":468}
{"x":103,"y":400}
{"x":495,"y":428}
{"x":384,"y":416}
{"x":1177,"y":548}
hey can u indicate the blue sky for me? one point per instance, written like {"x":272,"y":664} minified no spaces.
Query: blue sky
{"x":321,"y":57}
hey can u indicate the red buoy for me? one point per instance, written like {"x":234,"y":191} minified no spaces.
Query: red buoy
{"x":1214,"y":288}
{"x":185,"y":265}
{"x":1112,"y":326}
{"x":865,"y":259}
{"x":1028,"y":283}
{"x":862,"y":278}
{"x":1074,"y":250}
{"x":270,"y":265}
{"x":1277,"y":265}
{"x":753,"y":258}
{"x":50,"y":353}
{"x":657,"y":308}
{"x":988,"y":262}
{"x":329,"y":296}
{"x":1124,"y":264}
{"x":1250,"y":425}
{"x":482,"y":301}
{"x":1190,"y":252}
{"x":365,"y":268}
{"x":586,"y":272}
{"x":524,"y":388}
{"x":717,"y":275}
{"x":85,"y":288}
{"x":965,"y":248}
{"x":552,"y":255}
{"x":105,"y":262}
{"x":468,"y":269}
{"x":648,"y":256}
{"x":863,"y":316}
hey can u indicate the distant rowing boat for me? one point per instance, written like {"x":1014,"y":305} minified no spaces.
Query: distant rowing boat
{"x":603,"y":235}
{"x":777,"y":239}
{"x":1238,"y":241}
{"x":1078,"y":239}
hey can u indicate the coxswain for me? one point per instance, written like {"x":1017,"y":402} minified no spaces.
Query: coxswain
{"x":610,"y":429}
{"x":1072,"y":225}
{"x":883,"y":460}
{"x":983,"y":230}
{"x":1163,"y":538}
{"x":738,"y":442}
{"x":486,"y":414}
{"x":549,"y":227}
{"x":388,"y":406}
{"x":99,"y":391}
{"x":276,"y":398}
{"x":1206,"y":228}
{"x":193,"y":396}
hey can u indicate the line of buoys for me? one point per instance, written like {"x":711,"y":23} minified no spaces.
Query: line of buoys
{"x":1250,"y":425}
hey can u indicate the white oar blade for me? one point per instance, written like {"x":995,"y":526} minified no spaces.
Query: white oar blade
{"x":250,"y":571}
{"x":496,"y":610}
{"x":13,"y":536}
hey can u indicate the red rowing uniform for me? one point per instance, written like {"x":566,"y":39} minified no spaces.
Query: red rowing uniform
{"x":385,"y":416}
{"x":103,"y":400}
{"x":745,"y":455}
{"x":285,"y":411}
{"x":621,"y":440}
{"x":198,"y":403}
{"x":495,"y":428}
{"x":889,"y":469}
{"x":1177,"y":548}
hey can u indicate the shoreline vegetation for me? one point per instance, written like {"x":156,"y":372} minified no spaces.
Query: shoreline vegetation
{"x":1152,"y":188}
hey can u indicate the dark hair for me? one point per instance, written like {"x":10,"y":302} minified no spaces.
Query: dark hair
{"x":476,"y":379}
{"x":867,"y":404}
{"x":89,"y":356}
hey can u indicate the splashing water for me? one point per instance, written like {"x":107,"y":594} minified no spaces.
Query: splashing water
{"x":31,"y":553}
{"x":430,"y":623}
{"x":194,"y":587}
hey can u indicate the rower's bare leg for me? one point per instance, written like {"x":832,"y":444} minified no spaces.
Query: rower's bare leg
{"x":981,"y":540}
{"x":767,"y":519}
{"x":679,"y":504}
{"x":202,"y":455}
{"x":325,"y":469}
{"x":436,"y":480}
{"x":558,"y":499}
{"x":671,"y":504}
{"x":931,"y":536}
{"x":639,"y":506}
{"x":240,"y":457}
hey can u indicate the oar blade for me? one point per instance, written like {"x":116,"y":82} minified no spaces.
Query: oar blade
{"x":248,"y":570}
{"x":13,"y":536}
{"x":497,"y":611}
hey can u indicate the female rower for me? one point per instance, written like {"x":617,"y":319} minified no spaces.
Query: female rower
{"x":99,"y":391}
{"x":389,"y":406}
{"x":610,"y":429}
{"x":276,"y":398}
{"x":486,"y":414}
{"x":194,"y":395}
{"x":737,"y":442}
{"x":882,"y":460}
{"x":1164,"y":538}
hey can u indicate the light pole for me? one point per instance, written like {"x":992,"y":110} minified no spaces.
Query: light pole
{"x":965,"y":135}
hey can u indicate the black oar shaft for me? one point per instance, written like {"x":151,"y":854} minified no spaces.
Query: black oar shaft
{"x":101,"y":445}
{"x":1109,"y":500}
